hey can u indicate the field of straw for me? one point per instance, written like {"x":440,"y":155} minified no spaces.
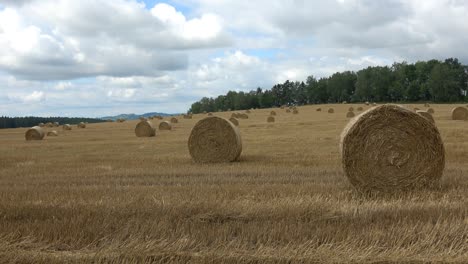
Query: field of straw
{"x":101,"y":194}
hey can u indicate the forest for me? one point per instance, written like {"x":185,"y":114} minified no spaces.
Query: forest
{"x":29,"y":121}
{"x":423,"y":81}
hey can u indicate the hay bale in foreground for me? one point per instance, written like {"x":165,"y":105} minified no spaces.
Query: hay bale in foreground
{"x":174,"y":120}
{"x":81,"y":125}
{"x":389,"y":149}
{"x":67,"y":127}
{"x":34,"y":133}
{"x":52,"y":133}
{"x":350,"y":114}
{"x":271,"y":119}
{"x":360,"y":108}
{"x":459,"y":113}
{"x":234,"y":121}
{"x":145,"y":129}
{"x":165,"y":125}
{"x":430,"y":111}
{"x":273,"y":113}
{"x":214,"y":140}
{"x":331,"y":111}
{"x":426,"y":115}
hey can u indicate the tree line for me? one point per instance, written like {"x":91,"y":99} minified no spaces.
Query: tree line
{"x":30,"y":121}
{"x":433,"y":80}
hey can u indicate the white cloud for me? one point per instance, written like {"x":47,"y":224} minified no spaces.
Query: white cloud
{"x":34,"y":97}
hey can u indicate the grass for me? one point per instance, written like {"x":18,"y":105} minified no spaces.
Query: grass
{"x":102,"y":195}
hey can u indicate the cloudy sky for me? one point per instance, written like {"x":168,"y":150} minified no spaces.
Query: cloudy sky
{"x":104,"y":57}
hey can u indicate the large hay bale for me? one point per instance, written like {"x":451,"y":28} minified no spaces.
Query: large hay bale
{"x":459,"y":113}
{"x":81,"y":125}
{"x":214,"y":139}
{"x":389,"y":149}
{"x":145,"y":129}
{"x":350,"y":114}
{"x":319,"y":109}
{"x":331,"y":111}
{"x":67,"y":127}
{"x":271,"y":119}
{"x":295,"y":111}
{"x":52,"y":133}
{"x":351,"y":109}
{"x":273,"y":113}
{"x":430,"y":111}
{"x":174,"y":120}
{"x":360,"y":108}
{"x":243,"y":116}
{"x":34,"y":133}
{"x":234,"y":121}
{"x":426,"y":115}
{"x":165,"y":125}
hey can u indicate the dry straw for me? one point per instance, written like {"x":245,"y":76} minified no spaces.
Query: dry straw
{"x":416,"y":109}
{"x":273,"y":113}
{"x":350,"y":114}
{"x":367,"y":103}
{"x":174,"y":120}
{"x":52,"y":133}
{"x":145,"y":129}
{"x":351,"y":109}
{"x":213,"y":140}
{"x":49,"y":124}
{"x":67,"y":127}
{"x":247,"y":111}
{"x":288,"y":110}
{"x":234,"y":115}
{"x":165,"y":125}
{"x":243,"y":116}
{"x":319,"y":109}
{"x":331,"y":111}
{"x":81,"y":125}
{"x":389,"y":149}
{"x":460,"y":113}
{"x":271,"y":119}
{"x":360,"y":108}
{"x":41,"y":125}
{"x":34,"y":133}
{"x":56,"y":124}
{"x":426,"y":115}
{"x":234,"y":121}
{"x":295,"y":111}
{"x":142,"y":118}
{"x":210,"y":114}
{"x":430,"y":111}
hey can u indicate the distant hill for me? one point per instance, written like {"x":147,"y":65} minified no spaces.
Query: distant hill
{"x":134,"y":116}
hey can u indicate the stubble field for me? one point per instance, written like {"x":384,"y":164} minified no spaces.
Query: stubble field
{"x":101,"y":194}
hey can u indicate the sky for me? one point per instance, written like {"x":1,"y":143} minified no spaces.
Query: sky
{"x":105,"y":57}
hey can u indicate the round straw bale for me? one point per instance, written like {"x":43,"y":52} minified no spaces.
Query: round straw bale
{"x":288,"y":110}
{"x":210,"y":114}
{"x":271,"y":119}
{"x":273,"y":113}
{"x":374,"y":104}
{"x":49,"y":124}
{"x":331,"y":111}
{"x":142,"y":118}
{"x":67,"y":127}
{"x":319,"y":109}
{"x":81,"y":125}
{"x":174,"y":120}
{"x":295,"y":111}
{"x":165,"y":125}
{"x":351,"y":109}
{"x":350,"y":114}
{"x":145,"y":129}
{"x":430,"y":111}
{"x":367,"y":103}
{"x":214,"y":139}
{"x":243,"y":116}
{"x":247,"y":111}
{"x":459,"y":113}
{"x":426,"y":115}
{"x":389,"y":149}
{"x":344,"y":102}
{"x":35,"y":133}
{"x":56,"y":124}
{"x":234,"y":115}
{"x":416,"y":109}
{"x":426,"y":105}
{"x":41,"y":125}
{"x":360,"y":108}
{"x":52,"y":133}
{"x":294,"y":108}
{"x":234,"y":121}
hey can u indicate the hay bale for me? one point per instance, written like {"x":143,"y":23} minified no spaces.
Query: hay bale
{"x":234,"y":121}
{"x":331,"y":111}
{"x":213,"y":140}
{"x":165,"y":125}
{"x":426,"y":115}
{"x":34,"y":133}
{"x":374,"y":104}
{"x":174,"y":120}
{"x":350,"y":114}
{"x":210,"y":114}
{"x":67,"y":127}
{"x":273,"y":113}
{"x":344,"y":102}
{"x":389,"y":149}
{"x":351,"y":109}
{"x":247,"y":111}
{"x":416,"y":109}
{"x":56,"y":124}
{"x":282,"y":107}
{"x":243,"y":116}
{"x":187,"y":116}
{"x":49,"y":124}
{"x":360,"y":108}
{"x":288,"y":110}
{"x":81,"y":125}
{"x":430,"y":111}
{"x":459,"y":113}
{"x":121,"y":120}
{"x":142,"y":118}
{"x":319,"y":109}
{"x":295,"y":112}
{"x":427,"y":105}
{"x":145,"y":129}
{"x":41,"y":125}
{"x":367,"y":103}
{"x":52,"y":133}
{"x":271,"y":119}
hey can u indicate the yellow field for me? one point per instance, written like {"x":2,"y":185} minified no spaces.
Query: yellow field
{"x":101,"y":194}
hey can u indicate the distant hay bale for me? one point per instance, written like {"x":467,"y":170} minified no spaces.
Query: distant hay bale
{"x":49,"y":124}
{"x":426,"y":115}
{"x":389,"y":149}
{"x":210,"y":114}
{"x":165,"y":125}
{"x":121,"y":120}
{"x":350,"y":114}
{"x":295,"y":112}
{"x":351,"y":109}
{"x":288,"y":110}
{"x":56,"y":124}
{"x":360,"y":108}
{"x":294,"y":108}
{"x":81,"y":125}
{"x":344,"y":102}
{"x":34,"y":133}
{"x":247,"y":111}
{"x":430,"y":111}
{"x":234,"y":121}
{"x":319,"y":109}
{"x":145,"y":129}
{"x":174,"y":120}
{"x":282,"y":107}
{"x":273,"y":113}
{"x":41,"y":125}
{"x":374,"y":104}
{"x":426,"y":105}
{"x":271,"y":119}
{"x":67,"y":127}
{"x":187,"y":116}
{"x":459,"y":113}
{"x":367,"y":103}
{"x":52,"y":133}
{"x":214,"y":140}
{"x":331,"y":111}
{"x":243,"y":116}
{"x":142,"y":118}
